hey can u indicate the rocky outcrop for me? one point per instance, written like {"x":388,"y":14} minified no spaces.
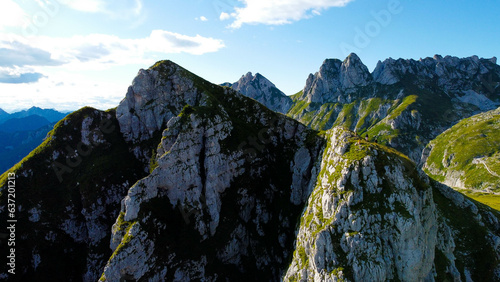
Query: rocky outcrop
{"x":264,"y":91}
{"x":373,"y":216}
{"x":155,"y":96}
{"x":369,"y":218}
{"x":468,"y":238}
{"x":336,"y":80}
{"x":454,"y":75}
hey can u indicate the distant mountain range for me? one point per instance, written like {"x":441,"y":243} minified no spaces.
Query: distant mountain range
{"x":50,"y":114}
{"x":23,"y":131}
{"x":28,"y":123}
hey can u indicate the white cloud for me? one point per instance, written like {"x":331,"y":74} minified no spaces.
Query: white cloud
{"x":170,"y":42}
{"x":68,"y":73}
{"x":64,"y":91}
{"x":18,"y":75}
{"x":224,"y":16}
{"x":278,"y":12}
{"x":12,"y":15}
{"x":202,"y":18}
{"x":122,"y":9}
{"x":99,"y":50}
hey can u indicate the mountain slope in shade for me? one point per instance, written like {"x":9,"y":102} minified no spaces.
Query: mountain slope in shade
{"x":264,"y":91}
{"x":68,"y":193}
{"x":17,"y":145}
{"x":3,"y":115}
{"x":22,"y":132}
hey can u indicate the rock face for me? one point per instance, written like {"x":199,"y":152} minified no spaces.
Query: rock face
{"x":336,"y":80}
{"x":418,"y":98}
{"x":453,"y":75}
{"x":373,"y":217}
{"x":369,"y":218}
{"x":468,"y":238}
{"x":467,"y":155}
{"x":154,"y":97}
{"x":264,"y":91}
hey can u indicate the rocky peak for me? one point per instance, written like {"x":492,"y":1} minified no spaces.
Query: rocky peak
{"x":354,"y":73}
{"x":155,"y":96}
{"x":264,"y":91}
{"x":384,"y":72}
{"x":367,"y":219}
{"x":336,"y":80}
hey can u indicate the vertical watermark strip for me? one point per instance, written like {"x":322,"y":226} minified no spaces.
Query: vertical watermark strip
{"x":11,"y":222}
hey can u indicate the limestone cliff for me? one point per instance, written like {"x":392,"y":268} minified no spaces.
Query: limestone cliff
{"x":369,"y":218}
{"x":373,"y":217}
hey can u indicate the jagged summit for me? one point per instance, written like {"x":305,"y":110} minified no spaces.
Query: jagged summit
{"x":264,"y":91}
{"x":336,"y":80}
{"x":352,"y":59}
{"x":155,"y":96}
{"x":465,"y":71}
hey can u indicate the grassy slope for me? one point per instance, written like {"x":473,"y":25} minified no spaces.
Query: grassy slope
{"x":455,"y":150}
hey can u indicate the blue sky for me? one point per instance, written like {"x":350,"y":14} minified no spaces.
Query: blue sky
{"x":65,"y":54}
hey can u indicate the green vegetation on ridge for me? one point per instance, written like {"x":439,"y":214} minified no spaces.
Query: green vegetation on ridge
{"x":469,"y":151}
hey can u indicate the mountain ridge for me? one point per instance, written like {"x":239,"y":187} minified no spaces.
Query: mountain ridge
{"x":418,"y":98}
{"x":190,"y":180}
